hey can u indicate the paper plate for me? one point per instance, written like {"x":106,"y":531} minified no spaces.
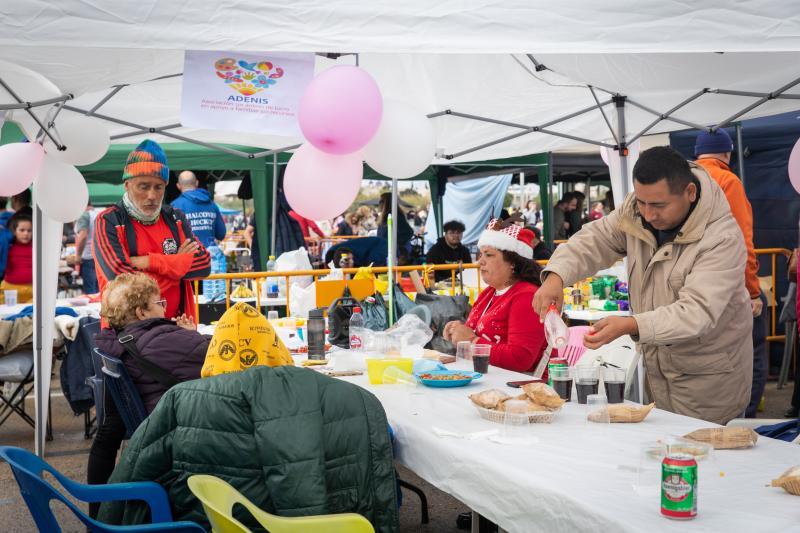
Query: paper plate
{"x":444,"y":383}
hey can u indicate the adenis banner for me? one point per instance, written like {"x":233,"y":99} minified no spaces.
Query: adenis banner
{"x":248,"y":92}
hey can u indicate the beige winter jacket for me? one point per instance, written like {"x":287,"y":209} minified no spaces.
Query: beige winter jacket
{"x":688,"y":298}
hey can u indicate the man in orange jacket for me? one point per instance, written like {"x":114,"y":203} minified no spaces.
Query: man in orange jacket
{"x":713,"y":152}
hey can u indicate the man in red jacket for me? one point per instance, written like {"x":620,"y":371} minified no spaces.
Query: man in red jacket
{"x":141,"y":233}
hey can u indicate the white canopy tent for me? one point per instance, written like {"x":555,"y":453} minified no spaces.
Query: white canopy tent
{"x":499,"y":79}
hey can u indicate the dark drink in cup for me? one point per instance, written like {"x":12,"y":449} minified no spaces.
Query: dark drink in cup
{"x":614,"y":378}
{"x":480,"y":357}
{"x":564,"y":388}
{"x":585,"y":388}
{"x":615,"y":391}
{"x":561,"y":380}
{"x":480,"y":363}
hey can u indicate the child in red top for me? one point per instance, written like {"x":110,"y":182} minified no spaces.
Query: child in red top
{"x":19,"y":266}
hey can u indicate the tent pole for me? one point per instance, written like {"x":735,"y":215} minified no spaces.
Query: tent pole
{"x":619,"y":101}
{"x":546,"y":200}
{"x":740,"y":152}
{"x":37,"y":334}
{"x":754,"y":105}
{"x":105,"y":99}
{"x":393,"y":250}
{"x":605,"y":118}
{"x":147,"y":130}
{"x":274,"y":203}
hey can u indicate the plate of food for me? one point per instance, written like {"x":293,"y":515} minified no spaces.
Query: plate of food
{"x":447,"y":378}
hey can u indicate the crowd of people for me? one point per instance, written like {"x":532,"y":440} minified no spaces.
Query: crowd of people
{"x":697,"y":311}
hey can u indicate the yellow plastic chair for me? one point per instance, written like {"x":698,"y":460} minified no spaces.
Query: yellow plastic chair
{"x":218,"y":499}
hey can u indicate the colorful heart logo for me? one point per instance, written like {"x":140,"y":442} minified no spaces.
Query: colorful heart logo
{"x":247,"y":78}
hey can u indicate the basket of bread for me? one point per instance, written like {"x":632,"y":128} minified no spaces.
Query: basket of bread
{"x":543,"y":403}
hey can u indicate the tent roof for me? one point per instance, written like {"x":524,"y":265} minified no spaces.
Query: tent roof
{"x":386,"y":26}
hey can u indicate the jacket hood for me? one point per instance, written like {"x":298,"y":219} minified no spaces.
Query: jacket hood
{"x":711,"y":206}
{"x":199,"y":196}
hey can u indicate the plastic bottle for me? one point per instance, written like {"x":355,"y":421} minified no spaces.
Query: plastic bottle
{"x":357,"y":330}
{"x":215,"y":289}
{"x":272,"y":283}
{"x":555,"y":330}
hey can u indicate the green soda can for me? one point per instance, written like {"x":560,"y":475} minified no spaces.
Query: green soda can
{"x":556,"y":361}
{"x":679,"y":486}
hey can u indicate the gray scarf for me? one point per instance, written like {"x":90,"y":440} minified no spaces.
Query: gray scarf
{"x":137,"y":214}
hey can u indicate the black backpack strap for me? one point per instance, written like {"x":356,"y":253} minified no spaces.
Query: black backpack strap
{"x":151,"y":369}
{"x":171,"y":219}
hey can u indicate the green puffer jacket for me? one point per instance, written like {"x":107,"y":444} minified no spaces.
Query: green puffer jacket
{"x":292,"y":440}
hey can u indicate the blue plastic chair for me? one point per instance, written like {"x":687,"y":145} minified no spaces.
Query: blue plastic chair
{"x":38,"y":493}
{"x":123,"y":391}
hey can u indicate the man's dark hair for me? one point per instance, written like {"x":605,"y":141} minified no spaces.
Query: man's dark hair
{"x":454,"y":225}
{"x":536,"y":232}
{"x":24,"y":197}
{"x":567,"y":198}
{"x":662,"y":162}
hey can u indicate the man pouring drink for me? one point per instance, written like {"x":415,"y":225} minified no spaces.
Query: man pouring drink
{"x":686,"y":261}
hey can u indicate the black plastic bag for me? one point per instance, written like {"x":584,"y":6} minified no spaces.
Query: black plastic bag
{"x":444,"y":309}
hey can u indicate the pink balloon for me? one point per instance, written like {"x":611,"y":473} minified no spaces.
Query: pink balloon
{"x":19,"y":165}
{"x":341,"y":110}
{"x":794,"y":166}
{"x":319,"y":185}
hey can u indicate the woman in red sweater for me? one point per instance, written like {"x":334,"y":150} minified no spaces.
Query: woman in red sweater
{"x":19,"y":267}
{"x":502,"y":316}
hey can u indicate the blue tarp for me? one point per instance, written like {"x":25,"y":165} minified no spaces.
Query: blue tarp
{"x":473,"y":202}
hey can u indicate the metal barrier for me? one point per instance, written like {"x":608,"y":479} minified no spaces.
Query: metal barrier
{"x":260,"y":277}
{"x":774,"y":253}
{"x":317,"y":247}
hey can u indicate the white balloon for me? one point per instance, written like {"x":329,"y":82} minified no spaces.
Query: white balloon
{"x":86,"y":140}
{"x":404,"y":144}
{"x":60,"y":190}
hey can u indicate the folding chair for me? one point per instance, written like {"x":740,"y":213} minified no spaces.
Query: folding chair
{"x":124,"y":393}
{"x":18,"y":368}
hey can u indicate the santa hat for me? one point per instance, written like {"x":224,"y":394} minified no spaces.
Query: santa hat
{"x":511,"y":239}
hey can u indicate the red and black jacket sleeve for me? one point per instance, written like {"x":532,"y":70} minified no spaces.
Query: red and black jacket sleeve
{"x":111,"y":252}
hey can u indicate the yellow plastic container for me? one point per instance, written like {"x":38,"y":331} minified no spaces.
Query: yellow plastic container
{"x":376,"y":367}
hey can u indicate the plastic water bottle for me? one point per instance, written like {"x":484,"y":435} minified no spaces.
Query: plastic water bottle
{"x":272,"y":283}
{"x":555,"y":330}
{"x":215,"y":289}
{"x":357,"y":330}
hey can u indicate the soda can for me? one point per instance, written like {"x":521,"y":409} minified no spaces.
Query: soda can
{"x":679,"y":486}
{"x":554,"y":362}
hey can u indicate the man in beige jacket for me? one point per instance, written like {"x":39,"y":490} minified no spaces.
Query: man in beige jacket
{"x":686,"y":260}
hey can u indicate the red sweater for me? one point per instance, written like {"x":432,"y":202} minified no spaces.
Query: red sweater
{"x":510,"y":325}
{"x":19,"y":269}
{"x":306,"y":224}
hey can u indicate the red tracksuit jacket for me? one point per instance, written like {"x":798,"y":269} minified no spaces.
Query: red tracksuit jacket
{"x":117,"y":237}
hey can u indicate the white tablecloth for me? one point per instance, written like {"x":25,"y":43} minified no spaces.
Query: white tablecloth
{"x":579,"y":476}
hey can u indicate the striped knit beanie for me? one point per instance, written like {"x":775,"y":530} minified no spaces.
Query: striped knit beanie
{"x":148,"y":159}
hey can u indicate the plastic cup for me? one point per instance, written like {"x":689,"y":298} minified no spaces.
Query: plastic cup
{"x":272,"y":315}
{"x":397,"y":376}
{"x":480,"y":357}
{"x":586,"y":381}
{"x":561,"y":376}
{"x":515,"y":420}
{"x":614,"y":383}
{"x":464,"y":350}
{"x":649,"y":474}
{"x":10,"y":296}
{"x":597,"y":409}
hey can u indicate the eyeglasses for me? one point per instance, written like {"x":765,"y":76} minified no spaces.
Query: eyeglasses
{"x":162,"y":303}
